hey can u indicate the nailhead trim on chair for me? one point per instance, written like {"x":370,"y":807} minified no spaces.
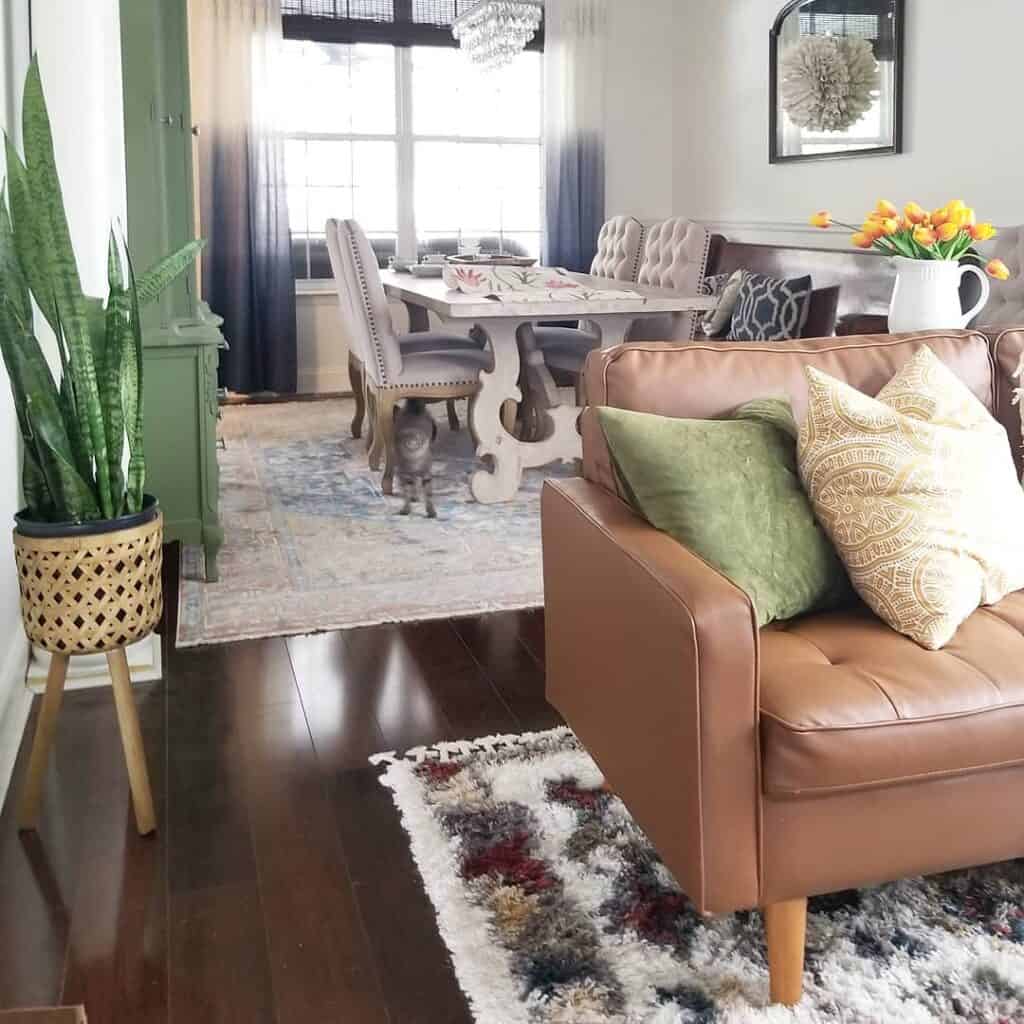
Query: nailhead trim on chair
{"x":357,"y":259}
{"x":427,"y":384}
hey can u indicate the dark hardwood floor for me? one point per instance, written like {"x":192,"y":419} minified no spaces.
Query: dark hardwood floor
{"x":279,"y":886}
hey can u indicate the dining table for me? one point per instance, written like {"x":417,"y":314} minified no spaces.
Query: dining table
{"x":500,"y":317}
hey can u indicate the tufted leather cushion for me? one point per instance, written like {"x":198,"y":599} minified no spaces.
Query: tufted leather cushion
{"x":1006,"y":305}
{"x":675,"y":257}
{"x":848,"y":703}
{"x":364,"y":306}
{"x":619,"y":248}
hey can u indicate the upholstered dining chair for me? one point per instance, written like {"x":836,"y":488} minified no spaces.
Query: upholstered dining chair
{"x":674,"y":256}
{"x":430,"y":365}
{"x":620,"y":247}
{"x":411,"y":343}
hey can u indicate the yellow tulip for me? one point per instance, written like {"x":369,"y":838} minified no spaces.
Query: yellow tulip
{"x":863,"y":240}
{"x":955,"y":206}
{"x":924,"y":236}
{"x":968,"y":218}
{"x":948,"y":231}
{"x":998,"y":269}
{"x":915,"y":214}
{"x":982,"y":232}
{"x":940,"y":216}
{"x":890,"y":225}
{"x":872,"y":228}
{"x":821,"y":219}
{"x":886,"y":209}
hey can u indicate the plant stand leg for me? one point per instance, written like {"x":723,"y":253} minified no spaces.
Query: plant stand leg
{"x":28,"y":808}
{"x":131,"y":738}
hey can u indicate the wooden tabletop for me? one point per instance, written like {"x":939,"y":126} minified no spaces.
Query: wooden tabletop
{"x":433,"y":294}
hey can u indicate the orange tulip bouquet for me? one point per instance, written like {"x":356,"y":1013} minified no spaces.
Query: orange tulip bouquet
{"x":948,"y":233}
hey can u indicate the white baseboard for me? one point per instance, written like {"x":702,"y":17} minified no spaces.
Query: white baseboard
{"x":14,"y":711}
{"x":86,"y":671}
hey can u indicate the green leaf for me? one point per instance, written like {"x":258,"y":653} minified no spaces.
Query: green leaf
{"x":132,"y":399}
{"x":59,"y":261}
{"x":118,"y":338}
{"x":28,"y":234}
{"x":39,"y":501}
{"x":43,"y":427}
{"x":12,"y":279}
{"x":154,"y":280}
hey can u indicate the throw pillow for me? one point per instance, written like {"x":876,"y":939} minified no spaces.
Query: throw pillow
{"x":716,"y":323}
{"x":770,"y":309}
{"x":918,"y":492}
{"x":713,"y":285}
{"x":729,"y":491}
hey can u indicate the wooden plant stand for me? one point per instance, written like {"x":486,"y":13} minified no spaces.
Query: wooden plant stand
{"x":90,"y":594}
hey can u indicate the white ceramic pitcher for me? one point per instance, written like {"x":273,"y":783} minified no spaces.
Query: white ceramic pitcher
{"x":927,"y":295}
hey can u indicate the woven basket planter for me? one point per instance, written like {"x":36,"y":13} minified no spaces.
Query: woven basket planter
{"x":91,"y":588}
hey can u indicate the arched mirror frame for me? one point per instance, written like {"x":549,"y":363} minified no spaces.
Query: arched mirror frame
{"x":775,"y":156}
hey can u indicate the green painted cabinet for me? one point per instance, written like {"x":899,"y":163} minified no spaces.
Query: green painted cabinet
{"x":181,"y":336}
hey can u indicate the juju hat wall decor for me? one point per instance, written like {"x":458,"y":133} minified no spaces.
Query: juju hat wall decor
{"x":828,"y":83}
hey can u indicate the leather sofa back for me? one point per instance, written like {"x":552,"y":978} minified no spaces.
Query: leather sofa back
{"x":707,"y":380}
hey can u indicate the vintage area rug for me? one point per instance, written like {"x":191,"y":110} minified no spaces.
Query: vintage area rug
{"x":556,"y":910}
{"x":312,"y":544}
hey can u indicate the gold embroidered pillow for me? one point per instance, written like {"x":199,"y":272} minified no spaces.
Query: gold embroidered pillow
{"x":918,"y":492}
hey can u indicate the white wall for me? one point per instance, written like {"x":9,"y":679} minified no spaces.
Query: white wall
{"x":80,"y":58}
{"x":14,"y":697}
{"x":962,"y":135}
{"x":642,"y":120}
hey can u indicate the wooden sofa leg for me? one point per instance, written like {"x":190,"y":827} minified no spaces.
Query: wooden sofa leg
{"x":785,"y":926}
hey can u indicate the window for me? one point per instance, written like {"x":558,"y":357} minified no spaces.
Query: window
{"x":426,"y":151}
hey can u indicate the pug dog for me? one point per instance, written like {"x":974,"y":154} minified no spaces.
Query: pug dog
{"x":415,"y":430}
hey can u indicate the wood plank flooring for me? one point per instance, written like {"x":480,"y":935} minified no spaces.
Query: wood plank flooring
{"x":279,"y":887}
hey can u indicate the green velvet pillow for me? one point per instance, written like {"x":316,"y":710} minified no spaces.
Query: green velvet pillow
{"x":729,"y":491}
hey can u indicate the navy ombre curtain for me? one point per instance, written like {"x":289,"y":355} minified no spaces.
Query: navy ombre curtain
{"x":247,"y":265}
{"x":574,"y":59}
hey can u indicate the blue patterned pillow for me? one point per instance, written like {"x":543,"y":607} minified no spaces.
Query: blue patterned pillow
{"x":769,"y":309}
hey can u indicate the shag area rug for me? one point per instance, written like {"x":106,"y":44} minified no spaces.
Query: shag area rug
{"x":556,"y":909}
{"x":312,"y":544}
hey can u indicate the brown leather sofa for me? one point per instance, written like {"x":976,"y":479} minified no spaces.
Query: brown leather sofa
{"x":811,"y":756}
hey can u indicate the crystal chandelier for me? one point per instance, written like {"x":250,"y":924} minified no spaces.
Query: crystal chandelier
{"x":493,"y":32}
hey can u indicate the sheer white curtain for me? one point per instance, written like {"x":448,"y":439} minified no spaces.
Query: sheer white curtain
{"x":247,"y":266}
{"x":575,"y":56}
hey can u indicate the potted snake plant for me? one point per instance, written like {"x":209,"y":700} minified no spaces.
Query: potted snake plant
{"x":88,"y":541}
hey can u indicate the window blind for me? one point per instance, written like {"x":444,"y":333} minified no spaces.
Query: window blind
{"x":866,"y":19}
{"x":397,"y":22}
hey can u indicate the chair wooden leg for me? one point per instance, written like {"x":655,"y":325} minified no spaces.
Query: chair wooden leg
{"x":386,"y":426}
{"x":380,"y":408}
{"x":453,"y":415}
{"x":785,"y":926}
{"x":358,"y":382}
{"x":131,"y":739}
{"x":28,"y":807}
{"x":509,"y":416}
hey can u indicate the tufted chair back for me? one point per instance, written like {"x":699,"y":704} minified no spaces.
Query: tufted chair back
{"x":1006,"y":305}
{"x":675,"y":257}
{"x":619,"y":249}
{"x":364,"y":306}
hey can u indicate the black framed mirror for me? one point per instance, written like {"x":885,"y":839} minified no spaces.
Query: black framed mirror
{"x":836,"y":79}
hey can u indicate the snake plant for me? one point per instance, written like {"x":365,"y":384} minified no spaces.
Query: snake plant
{"x":81,"y":427}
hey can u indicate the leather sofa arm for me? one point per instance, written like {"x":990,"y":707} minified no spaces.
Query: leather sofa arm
{"x":1007,"y":345}
{"x":652,"y":659}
